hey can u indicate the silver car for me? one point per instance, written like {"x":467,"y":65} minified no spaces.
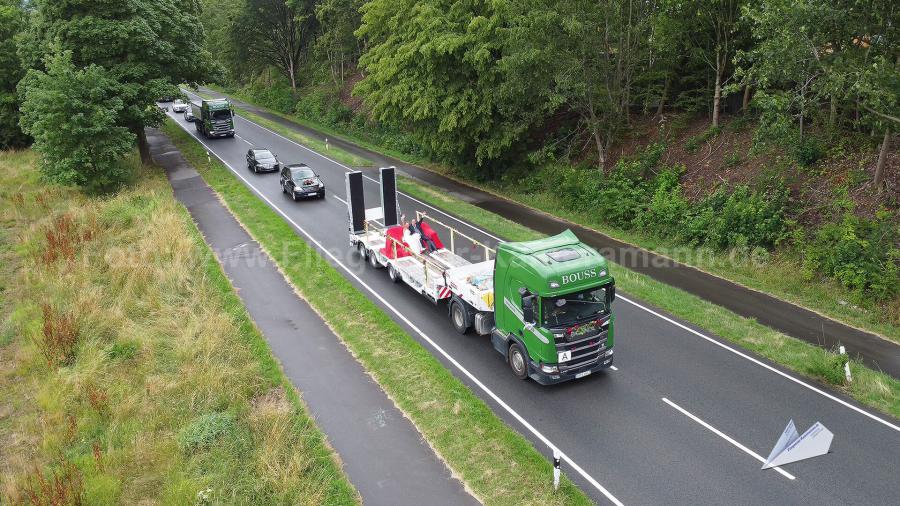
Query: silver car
{"x":179,"y":105}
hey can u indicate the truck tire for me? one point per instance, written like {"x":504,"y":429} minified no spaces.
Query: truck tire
{"x":373,"y":261}
{"x":360,"y":247}
{"x":393,"y":274}
{"x":459,"y":316}
{"x":518,"y":361}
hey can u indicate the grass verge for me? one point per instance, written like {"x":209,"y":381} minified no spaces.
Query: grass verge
{"x":872,"y":388}
{"x":130,"y":371}
{"x":496,"y":463}
{"x":778,"y":275}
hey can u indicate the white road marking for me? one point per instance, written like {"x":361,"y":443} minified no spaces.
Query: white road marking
{"x":243,"y":139}
{"x":590,"y":479}
{"x":673,"y":322}
{"x":764,"y":365}
{"x":726,"y":437}
{"x":614,"y":368}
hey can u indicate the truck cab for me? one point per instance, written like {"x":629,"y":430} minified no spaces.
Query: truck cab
{"x":552,"y":311}
{"x":214,"y":118}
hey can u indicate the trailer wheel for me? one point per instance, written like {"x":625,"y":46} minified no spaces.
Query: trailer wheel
{"x":373,"y":261}
{"x":518,"y":362}
{"x":361,"y":249}
{"x":459,"y":316}
{"x":393,"y":274}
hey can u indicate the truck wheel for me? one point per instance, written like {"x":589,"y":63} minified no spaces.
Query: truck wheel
{"x":459,"y":317}
{"x":361,"y":249}
{"x":518,"y":362}
{"x":393,"y":274}
{"x":373,"y":261}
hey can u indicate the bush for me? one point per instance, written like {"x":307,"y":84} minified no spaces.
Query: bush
{"x":667,"y":208}
{"x":808,"y":151}
{"x":743,"y":217}
{"x":860,"y":254}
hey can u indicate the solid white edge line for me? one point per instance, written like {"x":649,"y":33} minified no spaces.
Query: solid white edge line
{"x":350,"y":169}
{"x":744,"y":355}
{"x":427,"y":339}
{"x":726,"y":437}
{"x":763,"y":364}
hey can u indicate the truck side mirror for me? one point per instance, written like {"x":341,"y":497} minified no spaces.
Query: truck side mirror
{"x":528,"y":307}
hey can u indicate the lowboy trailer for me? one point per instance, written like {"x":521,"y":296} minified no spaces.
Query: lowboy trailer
{"x":553,"y":322}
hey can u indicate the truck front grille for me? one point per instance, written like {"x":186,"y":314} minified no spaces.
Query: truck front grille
{"x":586,"y":350}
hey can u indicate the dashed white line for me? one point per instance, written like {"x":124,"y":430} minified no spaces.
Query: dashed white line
{"x":763,"y":364}
{"x":578,"y":469}
{"x":726,"y":437}
{"x":614,"y":368}
{"x":243,"y":139}
{"x":673,"y":322}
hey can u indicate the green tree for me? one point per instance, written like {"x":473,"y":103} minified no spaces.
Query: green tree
{"x":147,"y":46}
{"x":72,"y":114}
{"x":277,"y":33}
{"x":841,"y":55}
{"x":339,"y":19}
{"x":432,"y":67}
{"x":12,"y":19}
{"x":586,"y":55}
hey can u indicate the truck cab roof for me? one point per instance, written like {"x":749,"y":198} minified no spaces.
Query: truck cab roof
{"x":562,"y":263}
{"x":217,"y":104}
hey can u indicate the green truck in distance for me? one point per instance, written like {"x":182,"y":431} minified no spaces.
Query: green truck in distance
{"x":214,"y":118}
{"x":546,"y":304}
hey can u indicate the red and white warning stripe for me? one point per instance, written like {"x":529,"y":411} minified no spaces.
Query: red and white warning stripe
{"x":444,"y":292}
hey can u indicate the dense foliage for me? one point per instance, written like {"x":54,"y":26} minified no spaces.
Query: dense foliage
{"x":71,"y":113}
{"x":119,"y":56}
{"x":12,"y":20}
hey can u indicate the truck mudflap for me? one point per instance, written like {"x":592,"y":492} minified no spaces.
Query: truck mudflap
{"x":501,"y":344}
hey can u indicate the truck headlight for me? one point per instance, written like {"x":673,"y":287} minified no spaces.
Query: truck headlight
{"x":549,"y":369}
{"x":609,"y":352}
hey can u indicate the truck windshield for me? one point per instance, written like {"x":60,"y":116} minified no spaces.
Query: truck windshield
{"x":574,"y":307}
{"x":221,"y":114}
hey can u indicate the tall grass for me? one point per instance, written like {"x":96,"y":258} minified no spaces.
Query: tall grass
{"x":125,"y":339}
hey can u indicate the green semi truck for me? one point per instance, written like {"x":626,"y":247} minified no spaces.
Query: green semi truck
{"x":546,"y":304}
{"x":214,"y":118}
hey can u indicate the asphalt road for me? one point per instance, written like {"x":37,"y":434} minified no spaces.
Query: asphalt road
{"x":622,"y":438}
{"x":394,"y":466}
{"x":790,"y":319}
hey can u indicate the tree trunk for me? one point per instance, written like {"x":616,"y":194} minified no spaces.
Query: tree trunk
{"x":662,"y":98}
{"x":882,"y":158}
{"x":717,"y":96}
{"x":745,"y":105}
{"x":293,"y":78}
{"x":143,"y":147}
{"x":832,"y":113}
{"x":601,"y":153}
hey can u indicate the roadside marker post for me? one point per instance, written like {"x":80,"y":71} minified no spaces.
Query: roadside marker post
{"x":846,"y":365}
{"x":556,"y":460}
